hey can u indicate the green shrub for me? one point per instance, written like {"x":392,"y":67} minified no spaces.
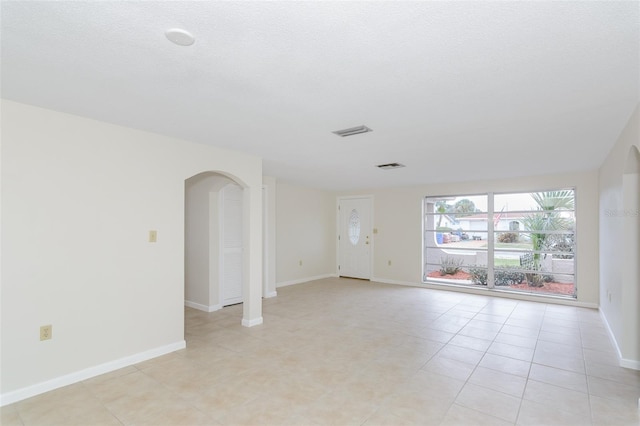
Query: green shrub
{"x":508,"y":237}
{"x":450,"y":265}
{"x":507,"y":276}
{"x":565,"y":248}
{"x":478,"y":274}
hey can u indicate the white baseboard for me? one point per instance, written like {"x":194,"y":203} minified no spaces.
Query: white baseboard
{"x":201,"y":307}
{"x":270,"y":294}
{"x":396,"y":282}
{"x":633,"y":364}
{"x":251,"y":323}
{"x":630,"y":363}
{"x":612,"y":336}
{"x":87,"y":373}
{"x":304,"y":280}
{"x":498,"y":293}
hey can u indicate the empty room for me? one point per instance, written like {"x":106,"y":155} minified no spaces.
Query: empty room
{"x":320,"y":213}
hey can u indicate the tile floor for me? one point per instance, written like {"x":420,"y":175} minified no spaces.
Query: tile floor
{"x":347,"y":352}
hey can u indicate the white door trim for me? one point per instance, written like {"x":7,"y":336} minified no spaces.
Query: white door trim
{"x":338,"y":223}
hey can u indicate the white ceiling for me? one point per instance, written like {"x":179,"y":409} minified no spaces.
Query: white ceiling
{"x":454,"y":90}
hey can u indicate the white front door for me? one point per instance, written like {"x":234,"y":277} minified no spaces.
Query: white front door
{"x":355,"y":240}
{"x":231,"y":227}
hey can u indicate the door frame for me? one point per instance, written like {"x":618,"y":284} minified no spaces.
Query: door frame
{"x":221,"y":248}
{"x":339,"y":199}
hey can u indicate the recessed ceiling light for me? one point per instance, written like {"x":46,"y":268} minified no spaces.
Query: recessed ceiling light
{"x":390,"y":166}
{"x":352,"y":131}
{"x":180,"y":37}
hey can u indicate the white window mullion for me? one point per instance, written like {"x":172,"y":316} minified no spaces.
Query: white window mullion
{"x":490,"y":241}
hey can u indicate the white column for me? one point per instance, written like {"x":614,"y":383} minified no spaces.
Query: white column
{"x":252,"y":260}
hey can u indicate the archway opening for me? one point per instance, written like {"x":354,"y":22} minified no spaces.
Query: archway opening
{"x":205,"y":217}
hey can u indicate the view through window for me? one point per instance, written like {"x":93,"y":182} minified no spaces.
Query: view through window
{"x":521,"y":242}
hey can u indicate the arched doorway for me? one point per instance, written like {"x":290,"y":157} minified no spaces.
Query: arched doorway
{"x":204,"y":240}
{"x":202,"y":248}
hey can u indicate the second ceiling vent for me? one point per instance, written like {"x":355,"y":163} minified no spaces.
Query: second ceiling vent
{"x":389,"y":166}
{"x":352,"y":131}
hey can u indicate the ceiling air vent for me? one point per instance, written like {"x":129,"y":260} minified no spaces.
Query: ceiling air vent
{"x":390,"y":166}
{"x":352,"y":131}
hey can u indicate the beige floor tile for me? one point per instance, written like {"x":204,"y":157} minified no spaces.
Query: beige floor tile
{"x":520,"y":331}
{"x":596,"y":343}
{"x":436,"y":335}
{"x":563,"y":361}
{"x":495,"y":309}
{"x":536,"y":414}
{"x":432,"y":385}
{"x":340,"y":408}
{"x":489,"y":402}
{"x":227,"y":394}
{"x":482,"y":333}
{"x":609,"y":389}
{"x":496,"y":319}
{"x":449,"y":367}
{"x":614,"y":373}
{"x":601,"y":357}
{"x":556,"y":397}
{"x":505,"y":364}
{"x":560,"y":349}
{"x":463,"y":416}
{"x":557,"y":337}
{"x":266,"y":410}
{"x":113,"y":374}
{"x":474,"y":343}
{"x":459,"y":353}
{"x":9,"y":416}
{"x":499,"y":381}
{"x":605,"y":412}
{"x":512,"y":339}
{"x":561,"y":324}
{"x":384,"y":417}
{"x":524,"y":321}
{"x":133,"y":384}
{"x":558,"y":377}
{"x":511,"y":351}
{"x":97,"y":417}
{"x":418,"y":407}
{"x":343,"y":352}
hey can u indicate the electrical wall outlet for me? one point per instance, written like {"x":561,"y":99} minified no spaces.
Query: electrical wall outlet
{"x":153,"y":236}
{"x":45,"y":332}
{"x":300,"y":263}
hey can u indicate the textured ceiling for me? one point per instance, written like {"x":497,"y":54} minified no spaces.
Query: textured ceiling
{"x":455,"y":91}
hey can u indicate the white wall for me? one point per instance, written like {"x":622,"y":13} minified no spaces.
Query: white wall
{"x":619,"y":291}
{"x":398,"y":219}
{"x":306,"y":231}
{"x":79,"y":198}
{"x":202,"y":237}
{"x":270,"y":233}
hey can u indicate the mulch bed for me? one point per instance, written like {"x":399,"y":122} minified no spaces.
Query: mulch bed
{"x":551,"y":287}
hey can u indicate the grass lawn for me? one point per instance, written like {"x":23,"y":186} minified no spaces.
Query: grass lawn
{"x":506,"y":262}
{"x":526,"y":246}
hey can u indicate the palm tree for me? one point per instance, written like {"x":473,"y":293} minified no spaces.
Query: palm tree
{"x":442,"y":207}
{"x":544,"y":222}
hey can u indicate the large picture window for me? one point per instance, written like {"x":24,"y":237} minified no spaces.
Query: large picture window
{"x":520,"y":242}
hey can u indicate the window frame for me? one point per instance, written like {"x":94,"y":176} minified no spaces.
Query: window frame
{"x":492,"y":234}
